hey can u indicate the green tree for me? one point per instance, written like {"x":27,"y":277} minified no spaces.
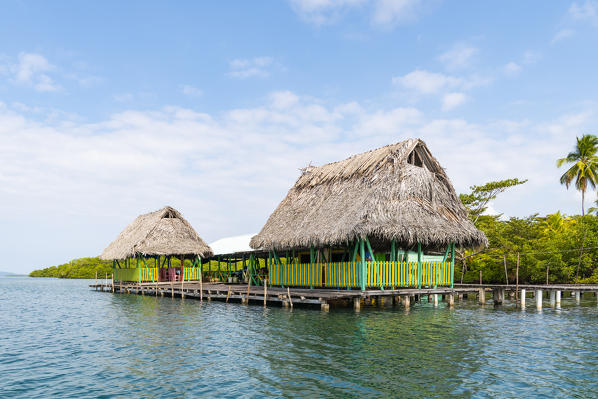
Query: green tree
{"x":584,"y":172}
{"x":477,"y":201}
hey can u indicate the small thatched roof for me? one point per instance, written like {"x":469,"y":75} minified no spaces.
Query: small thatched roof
{"x":398,"y":192}
{"x":163,"y":232}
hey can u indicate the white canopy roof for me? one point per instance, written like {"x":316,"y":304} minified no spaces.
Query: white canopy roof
{"x":231,"y":245}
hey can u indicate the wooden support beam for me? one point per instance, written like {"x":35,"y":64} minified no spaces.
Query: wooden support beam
{"x":451,"y":300}
{"x":452,"y":271}
{"x":265,"y":290}
{"x":539,"y":299}
{"x":419,"y":265}
{"x":481,"y":296}
{"x":363,"y":265}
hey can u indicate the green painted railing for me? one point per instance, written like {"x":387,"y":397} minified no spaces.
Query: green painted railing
{"x":386,"y":274}
{"x":379,"y":274}
{"x":131,"y":274}
{"x":192,"y":273}
{"x":343,"y":274}
{"x":296,"y":274}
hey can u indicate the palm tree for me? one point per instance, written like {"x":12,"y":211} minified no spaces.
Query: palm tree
{"x":584,"y":171}
{"x":585,"y":166}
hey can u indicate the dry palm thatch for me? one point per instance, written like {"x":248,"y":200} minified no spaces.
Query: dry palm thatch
{"x":163,"y":232}
{"x":397,"y":192}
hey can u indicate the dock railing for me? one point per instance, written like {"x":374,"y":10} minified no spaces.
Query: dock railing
{"x":379,"y":274}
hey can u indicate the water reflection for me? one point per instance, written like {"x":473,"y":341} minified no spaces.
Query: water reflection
{"x":61,"y":339}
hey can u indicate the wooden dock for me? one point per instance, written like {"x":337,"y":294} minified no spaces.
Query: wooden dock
{"x":324,"y":298}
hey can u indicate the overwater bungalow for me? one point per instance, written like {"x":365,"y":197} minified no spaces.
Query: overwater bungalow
{"x":385,"y":218}
{"x":232,"y":260}
{"x":157,"y":246}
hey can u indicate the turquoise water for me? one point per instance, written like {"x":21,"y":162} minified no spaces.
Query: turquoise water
{"x":58,"y":338}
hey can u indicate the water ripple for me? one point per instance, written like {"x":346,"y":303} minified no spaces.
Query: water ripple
{"x":60,"y":339}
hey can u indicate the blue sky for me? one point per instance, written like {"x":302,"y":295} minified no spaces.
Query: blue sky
{"x":112,"y":109}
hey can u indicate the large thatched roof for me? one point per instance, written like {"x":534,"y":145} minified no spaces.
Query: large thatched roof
{"x":398,"y":192}
{"x":163,"y":232}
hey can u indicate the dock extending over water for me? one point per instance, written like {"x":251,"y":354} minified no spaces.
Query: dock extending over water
{"x":324,"y":298}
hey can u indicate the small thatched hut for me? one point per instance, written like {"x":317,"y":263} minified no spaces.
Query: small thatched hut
{"x":386,"y":205}
{"x":153,"y":240}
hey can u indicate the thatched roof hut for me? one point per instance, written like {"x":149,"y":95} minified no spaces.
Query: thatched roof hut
{"x":397,"y":192}
{"x":163,"y":232}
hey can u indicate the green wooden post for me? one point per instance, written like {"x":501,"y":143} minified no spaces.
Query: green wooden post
{"x":199,"y":265}
{"x":269,"y":265}
{"x":363,"y":264}
{"x":375,"y":265}
{"x":281,"y":273}
{"x":250,"y":267}
{"x":218,"y":267}
{"x":138,"y":269}
{"x":312,"y":260}
{"x":452,"y":264}
{"x":419,"y":264}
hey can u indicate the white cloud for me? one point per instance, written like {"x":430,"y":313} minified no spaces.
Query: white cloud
{"x":383,"y":13}
{"x":284,"y":99}
{"x":190,"y":91}
{"x":83,"y":182}
{"x":250,"y":67}
{"x":427,"y":82}
{"x":531,"y":57}
{"x":512,"y":68}
{"x":32,"y":70}
{"x":562,"y":35}
{"x":451,"y":89}
{"x":584,"y":11}
{"x":458,"y":57}
{"x":320,"y":12}
{"x":453,"y":100}
{"x":490,"y":211}
{"x":392,"y":12}
{"x":123,"y":97}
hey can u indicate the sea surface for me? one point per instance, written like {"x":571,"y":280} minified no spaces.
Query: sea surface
{"x":58,"y":338}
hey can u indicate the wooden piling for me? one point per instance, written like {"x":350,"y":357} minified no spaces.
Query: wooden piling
{"x":289,"y":296}
{"x":558,"y":299}
{"x":451,"y":300}
{"x":481,"y":296}
{"x":265,"y":290}
{"x":248,"y":290}
{"x":496,"y":295}
{"x":517,"y":282}
{"x":523,"y":294}
{"x":357,"y":304}
{"x":200,"y":284}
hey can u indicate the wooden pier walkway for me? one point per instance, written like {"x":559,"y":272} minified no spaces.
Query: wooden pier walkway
{"x":324,"y":298}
